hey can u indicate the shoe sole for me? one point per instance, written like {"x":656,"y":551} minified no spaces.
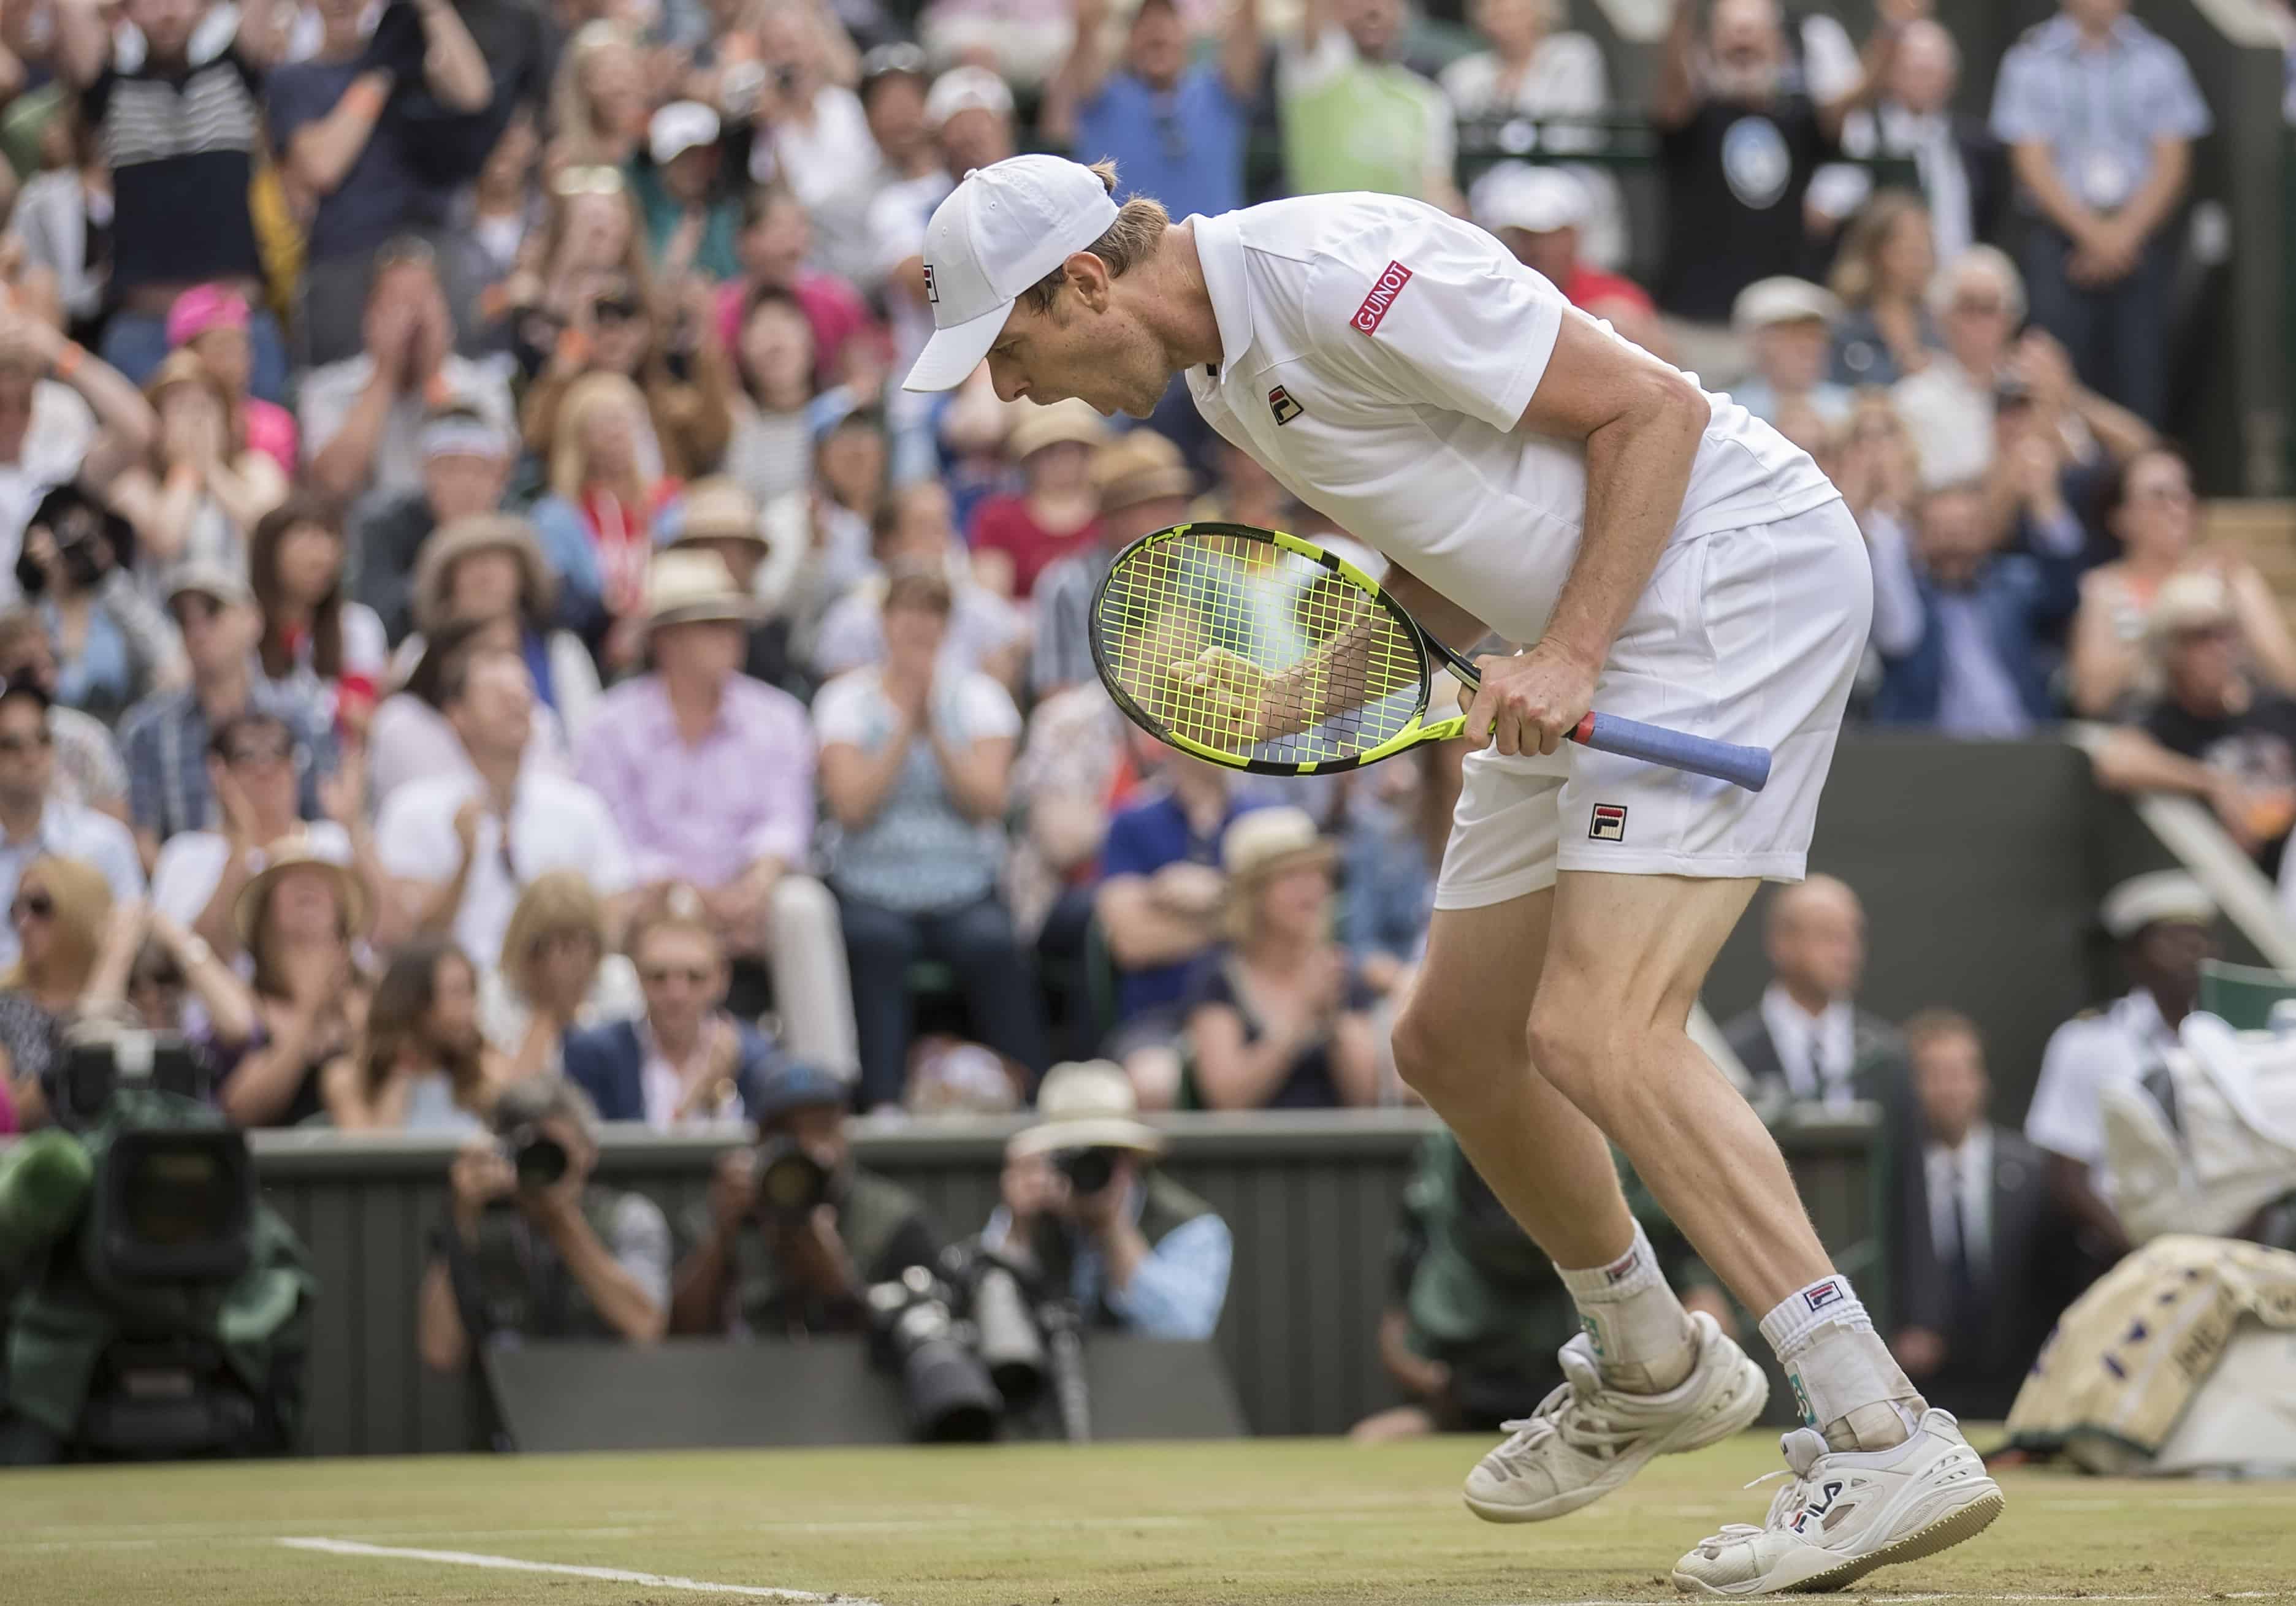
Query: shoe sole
{"x":1754,"y":1393}
{"x":1963,"y":1522}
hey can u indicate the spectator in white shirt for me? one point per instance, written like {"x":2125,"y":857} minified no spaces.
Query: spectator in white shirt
{"x":33,"y":821}
{"x":1806,"y":1041}
{"x":1979,"y":301}
{"x":459,"y":848}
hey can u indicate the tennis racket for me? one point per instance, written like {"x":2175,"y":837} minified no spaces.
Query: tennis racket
{"x":1265,"y":653}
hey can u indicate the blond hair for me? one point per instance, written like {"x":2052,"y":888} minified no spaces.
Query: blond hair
{"x":557,"y":900}
{"x":1859,"y":272}
{"x":1129,"y":241}
{"x":570,"y":458}
{"x":570,"y":111}
{"x":83,"y":900}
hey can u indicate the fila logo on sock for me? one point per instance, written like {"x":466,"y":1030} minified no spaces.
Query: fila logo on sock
{"x":1821,"y":1295}
{"x":1280,"y":402}
{"x":1391,"y":281}
{"x":1609,"y":824}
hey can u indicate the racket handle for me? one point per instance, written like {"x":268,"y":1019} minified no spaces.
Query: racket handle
{"x":1746,"y":766}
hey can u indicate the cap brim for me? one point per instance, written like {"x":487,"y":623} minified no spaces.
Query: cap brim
{"x":950,"y":357}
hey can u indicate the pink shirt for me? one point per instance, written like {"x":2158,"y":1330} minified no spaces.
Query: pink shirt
{"x":271,"y":430}
{"x":833,"y":307}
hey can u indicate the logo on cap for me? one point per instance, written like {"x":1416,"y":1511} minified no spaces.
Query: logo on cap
{"x":1280,"y":402}
{"x":1382,"y":297}
{"x":932,"y":291}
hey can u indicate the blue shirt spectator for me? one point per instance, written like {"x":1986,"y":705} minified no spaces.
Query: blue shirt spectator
{"x":1160,"y":889}
{"x":2102,"y":101}
{"x":1176,"y":129}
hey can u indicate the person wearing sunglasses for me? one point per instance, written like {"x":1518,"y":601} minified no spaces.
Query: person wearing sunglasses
{"x":35,"y":823}
{"x":56,"y":920}
{"x":88,"y":768}
{"x":618,"y":323}
{"x":687,"y":1059}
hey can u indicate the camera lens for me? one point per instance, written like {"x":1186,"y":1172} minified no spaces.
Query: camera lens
{"x":790,"y":1181}
{"x":538,"y":1158}
{"x":1088,"y":1170}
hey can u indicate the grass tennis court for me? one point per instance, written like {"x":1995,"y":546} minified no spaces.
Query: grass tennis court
{"x":1306,"y":1522}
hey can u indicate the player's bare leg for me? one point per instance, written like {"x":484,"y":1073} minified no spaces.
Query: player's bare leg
{"x":1882,"y":1477}
{"x":1645,"y":1377}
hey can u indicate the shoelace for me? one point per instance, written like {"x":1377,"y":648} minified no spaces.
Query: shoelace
{"x":1782,"y":1504}
{"x":1582,"y":1430}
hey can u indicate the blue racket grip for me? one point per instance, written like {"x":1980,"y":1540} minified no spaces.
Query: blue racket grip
{"x":1746,"y":766}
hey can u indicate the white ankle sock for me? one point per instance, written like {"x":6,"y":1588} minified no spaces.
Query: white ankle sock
{"x":1643,"y":1338}
{"x":1845,"y":1381}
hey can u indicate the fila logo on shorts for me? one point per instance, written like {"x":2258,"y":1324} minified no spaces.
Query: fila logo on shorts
{"x":932,"y":291}
{"x":1280,"y":402}
{"x":1382,"y":297}
{"x":1823,"y":1295}
{"x":1609,"y":824}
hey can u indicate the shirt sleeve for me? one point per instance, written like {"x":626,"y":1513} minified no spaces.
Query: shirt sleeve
{"x":641,"y":1247}
{"x":2065,"y":1116}
{"x":2019,"y":104}
{"x":2177,"y":107}
{"x":406,"y":838}
{"x":609,"y":864}
{"x":1178,"y":1291}
{"x":987,"y":710}
{"x":121,"y":865}
{"x":840,"y":712}
{"x":1435,"y":312}
{"x":784,"y":826}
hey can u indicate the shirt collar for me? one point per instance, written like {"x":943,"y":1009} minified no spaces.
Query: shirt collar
{"x":2062,"y":35}
{"x":2137,"y":1014}
{"x":1219,"y":248}
{"x":1975,"y":1149}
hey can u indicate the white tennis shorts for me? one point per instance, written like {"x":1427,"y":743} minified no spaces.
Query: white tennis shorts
{"x":1747,"y":636}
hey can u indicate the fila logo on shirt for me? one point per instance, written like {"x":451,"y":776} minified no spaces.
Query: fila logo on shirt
{"x":1824,"y":1294}
{"x":1609,"y":824}
{"x":1280,"y":402}
{"x":1382,"y":297}
{"x":933,"y":290}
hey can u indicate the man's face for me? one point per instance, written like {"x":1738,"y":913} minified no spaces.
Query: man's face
{"x":683,"y":976}
{"x":1375,"y":26}
{"x":31,"y":657}
{"x":1792,"y":356}
{"x":2204,"y":668}
{"x":1922,"y":76}
{"x":913,"y":634}
{"x":818,"y":1129}
{"x":217,"y":635}
{"x":1098,"y":349}
{"x":896,"y":109}
{"x":1552,"y":253}
{"x":484,"y":584}
{"x":1748,"y":47}
{"x":1950,"y":1080}
{"x":166,"y":25}
{"x":26,"y":754}
{"x":773,"y":247}
{"x":261,"y":761}
{"x":2165,"y":960}
{"x":2096,"y":15}
{"x":707,"y":650}
{"x":1977,"y":324}
{"x":1953,"y":537}
{"x":1820,"y":940}
{"x":452,"y":1021}
{"x":925,"y":528}
{"x":976,"y":138}
{"x":460,"y":484}
{"x":496,"y":715}
{"x":1157,"y":48}
{"x":690,"y":174}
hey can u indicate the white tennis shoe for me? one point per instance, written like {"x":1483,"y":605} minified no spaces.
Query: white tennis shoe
{"x":1584,"y":1439}
{"x":1847,"y":1513}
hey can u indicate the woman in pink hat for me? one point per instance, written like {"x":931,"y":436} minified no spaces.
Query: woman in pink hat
{"x":211,"y":320}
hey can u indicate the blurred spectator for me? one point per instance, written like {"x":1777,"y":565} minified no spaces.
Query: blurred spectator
{"x":717,"y":517}
{"x":56,"y":916}
{"x":1174,"y":128}
{"x":411,"y":739}
{"x":969,"y":112}
{"x":1962,"y":170}
{"x":114,"y":645}
{"x":1784,"y":324}
{"x":607,"y":489}
{"x":33,"y":821}
{"x":985,"y":633}
{"x":2161,"y":921}
{"x":759,"y":1266}
{"x":2099,"y":113}
{"x":1139,"y":1253}
{"x":1807,"y":1042}
{"x":1021,"y":41}
{"x":1980,"y":666}
{"x":1982,"y":1256}
{"x":1161,"y":890}
{"x":1398,"y":828}
{"x":2150,"y":509}
{"x":811,"y":135}
{"x":660,"y":339}
{"x":1883,"y":276}
{"x":598,"y":98}
{"x":569,"y":1259}
{"x":1014,"y":537}
{"x":174,"y":100}
{"x":775,"y":242}
{"x":63,"y":218}
{"x":300,"y":920}
{"x":198,"y":493}
{"x":1739,"y":138}
{"x":1978,"y":301}
{"x":687,"y":193}
{"x":2214,"y":733}
{"x":459,"y":846}
{"x":1540,"y":214}
{"x":341,"y":158}
{"x":257,"y":763}
{"x":685,"y":1059}
{"x":166,"y":979}
{"x":915,"y":758}
{"x":850,"y":486}
{"x":1244,"y":493}
{"x":1354,"y":116}
{"x":210,"y":321}
{"x":558,"y":972}
{"x":487,"y":569}
{"x":1075,"y":769}
{"x":164,"y":738}
{"x":1280,"y":1017}
{"x":362,"y":416}
{"x":660,"y":752}
{"x":421,"y":1065}
{"x":490,"y":226}
{"x":895,"y":81}
{"x":1144,"y":486}
{"x":466,"y":470}
{"x":591,"y":229}
{"x":316,"y":642}
{"x":770,"y":451}
{"x":1533,"y":68}
{"x":88,"y":768}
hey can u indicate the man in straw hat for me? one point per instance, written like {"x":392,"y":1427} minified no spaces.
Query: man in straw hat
{"x":710,"y":776}
{"x":1086,"y":1209}
{"x":1668,"y":557}
{"x":1054,"y":510}
{"x":716,"y":515}
{"x":466,"y":470}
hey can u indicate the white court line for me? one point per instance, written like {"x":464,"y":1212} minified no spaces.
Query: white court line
{"x":609,"y":1575}
{"x":1923,"y":1600}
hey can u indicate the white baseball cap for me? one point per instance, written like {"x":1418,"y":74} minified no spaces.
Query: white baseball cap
{"x":1536,"y":199}
{"x":679,"y":127}
{"x":966,"y":89}
{"x":1004,"y":228}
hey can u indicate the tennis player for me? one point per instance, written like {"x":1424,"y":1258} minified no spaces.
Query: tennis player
{"x":1668,"y":558}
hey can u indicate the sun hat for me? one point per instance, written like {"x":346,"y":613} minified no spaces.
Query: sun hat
{"x":1781,"y":300}
{"x":687,"y":585}
{"x":1087,"y":1104}
{"x":1138,"y":466}
{"x":718,"y":509}
{"x":434,"y":563}
{"x":2148,"y":899}
{"x":204,"y":577}
{"x":293,"y":853}
{"x":1036,"y":427}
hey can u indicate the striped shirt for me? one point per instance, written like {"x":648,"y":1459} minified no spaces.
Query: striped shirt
{"x":164,"y":740}
{"x":2098,"y":109}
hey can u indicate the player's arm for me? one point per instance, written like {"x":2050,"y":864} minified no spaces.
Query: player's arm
{"x":1641,"y":421}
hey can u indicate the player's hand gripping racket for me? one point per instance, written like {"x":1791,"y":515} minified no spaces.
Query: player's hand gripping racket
{"x":1263,"y":652}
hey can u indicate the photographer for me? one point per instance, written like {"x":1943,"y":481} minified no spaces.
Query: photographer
{"x":533,"y":1250}
{"x":1086,"y":1211}
{"x":796,"y":1232}
{"x":114,"y":645}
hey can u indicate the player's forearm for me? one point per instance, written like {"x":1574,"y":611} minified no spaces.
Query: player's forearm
{"x":1638,"y":470}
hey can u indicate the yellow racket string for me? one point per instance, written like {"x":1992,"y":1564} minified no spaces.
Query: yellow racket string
{"x":1257,"y":652}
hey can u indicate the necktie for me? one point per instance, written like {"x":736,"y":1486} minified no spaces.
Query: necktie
{"x":1960,"y":1276}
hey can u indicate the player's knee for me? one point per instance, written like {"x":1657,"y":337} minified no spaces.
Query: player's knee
{"x":1437,"y":1053}
{"x":1571,"y":1041}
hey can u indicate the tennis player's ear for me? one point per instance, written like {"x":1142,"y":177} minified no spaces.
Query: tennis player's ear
{"x":1088,"y":276}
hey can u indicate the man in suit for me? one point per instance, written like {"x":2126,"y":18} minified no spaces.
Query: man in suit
{"x":1979,"y":1240}
{"x":1806,"y":1041}
{"x":688,"y":1060}
{"x":1962,"y":170}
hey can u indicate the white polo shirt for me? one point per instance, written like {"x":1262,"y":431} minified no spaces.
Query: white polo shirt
{"x":1376,"y":355}
{"x":555,"y":823}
